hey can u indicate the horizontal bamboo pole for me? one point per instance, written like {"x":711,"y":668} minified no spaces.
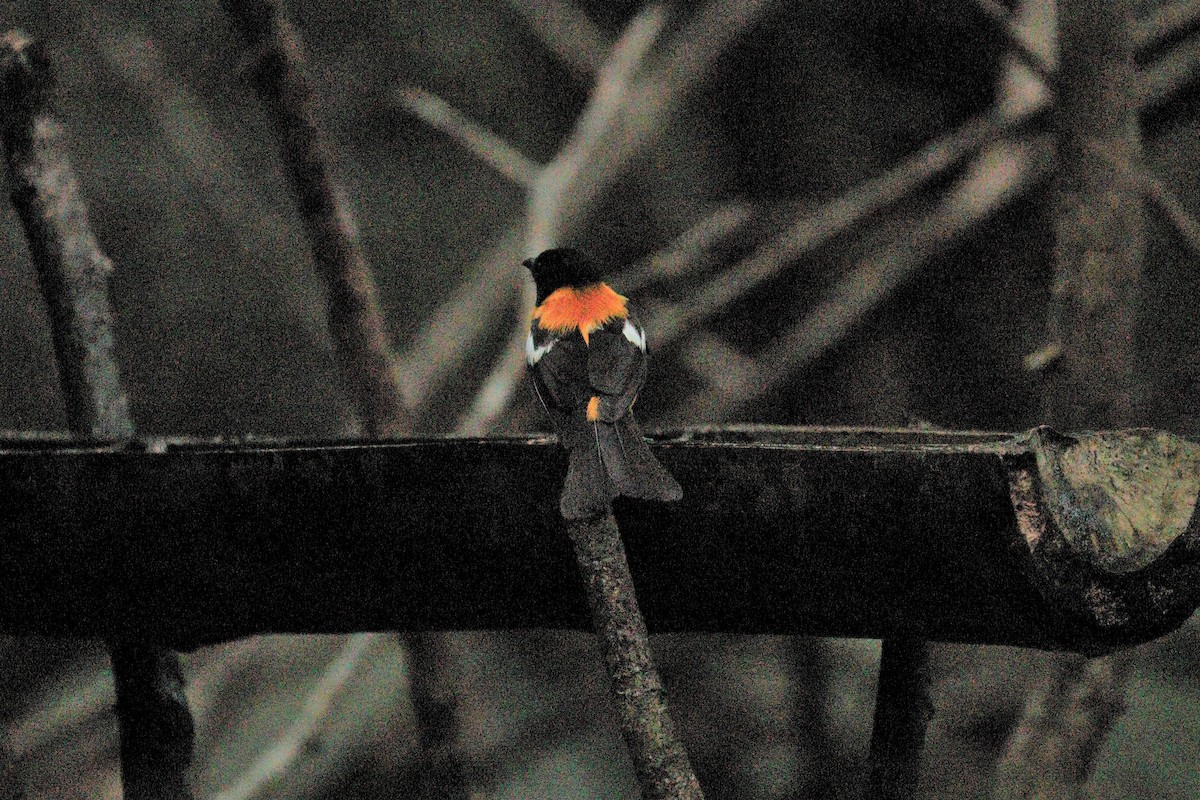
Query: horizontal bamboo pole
{"x":1040,"y":539}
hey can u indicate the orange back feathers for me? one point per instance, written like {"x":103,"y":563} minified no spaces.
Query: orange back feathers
{"x":588,"y":309}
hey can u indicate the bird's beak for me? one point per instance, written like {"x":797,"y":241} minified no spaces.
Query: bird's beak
{"x":528,"y":264}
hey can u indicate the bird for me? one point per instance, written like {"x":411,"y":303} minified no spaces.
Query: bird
{"x":587,"y":352}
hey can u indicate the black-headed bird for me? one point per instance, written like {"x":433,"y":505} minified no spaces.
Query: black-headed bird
{"x":587,"y":353}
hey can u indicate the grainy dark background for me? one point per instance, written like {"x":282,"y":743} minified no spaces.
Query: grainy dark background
{"x":221,"y":331}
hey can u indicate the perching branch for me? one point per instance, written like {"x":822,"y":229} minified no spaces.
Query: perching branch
{"x":355,"y":321}
{"x":659,"y":759}
{"x":156,"y":728}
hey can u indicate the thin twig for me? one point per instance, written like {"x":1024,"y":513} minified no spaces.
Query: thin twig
{"x":902,"y":713}
{"x":1003,"y":22}
{"x":484,"y":144}
{"x":355,"y":321}
{"x":831,"y":220}
{"x":1005,"y":171}
{"x":659,"y":758}
{"x":156,"y":727}
{"x":567,"y":32}
{"x":300,"y":733}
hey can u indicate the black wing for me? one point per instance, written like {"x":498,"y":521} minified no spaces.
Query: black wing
{"x":559,"y":365}
{"x":617,"y":366}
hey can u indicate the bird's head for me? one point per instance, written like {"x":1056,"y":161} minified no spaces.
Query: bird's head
{"x":560,"y":267}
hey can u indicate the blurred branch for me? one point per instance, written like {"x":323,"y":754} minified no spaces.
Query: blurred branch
{"x":1165,"y":21}
{"x":302,"y":731}
{"x":680,"y":257}
{"x":659,"y":759}
{"x":1160,"y":196}
{"x":156,"y":728}
{"x":451,"y":334}
{"x":831,"y":220}
{"x":484,"y":144}
{"x":355,"y":321}
{"x":1099,"y":246}
{"x":902,"y":713}
{"x":1171,"y":74}
{"x":1099,"y":225}
{"x":1004,"y":171}
{"x":1003,"y":23}
{"x":1078,"y":695}
{"x":593,"y":131}
{"x":567,"y":32}
{"x":202,"y":152}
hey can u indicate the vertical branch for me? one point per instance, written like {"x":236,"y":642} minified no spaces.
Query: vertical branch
{"x":1098,"y":222}
{"x":365,"y":359}
{"x":364,"y":354}
{"x":1094,"y":383}
{"x":902,"y":713}
{"x":155,"y":723}
{"x":72,"y":271}
{"x":659,"y":759}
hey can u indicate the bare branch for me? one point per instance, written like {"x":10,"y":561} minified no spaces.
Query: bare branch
{"x":1004,"y":172}
{"x":1099,"y":230}
{"x":354,"y":318}
{"x":484,"y":144}
{"x":1170,"y":75}
{"x":831,"y":220}
{"x":1159,"y":194}
{"x":1163,"y":22}
{"x":451,"y":334}
{"x":152,"y":712}
{"x":687,"y":251}
{"x":567,"y":32}
{"x":202,"y":152}
{"x":1086,"y":696}
{"x":363,"y":519}
{"x":1014,"y":37}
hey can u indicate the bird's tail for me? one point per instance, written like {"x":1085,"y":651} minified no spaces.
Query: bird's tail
{"x":607,"y":459}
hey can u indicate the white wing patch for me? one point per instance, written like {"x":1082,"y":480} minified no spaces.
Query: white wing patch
{"x":533,"y":353}
{"x":635,"y":335}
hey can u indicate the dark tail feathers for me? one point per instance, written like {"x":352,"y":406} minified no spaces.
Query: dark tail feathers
{"x":611,"y":459}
